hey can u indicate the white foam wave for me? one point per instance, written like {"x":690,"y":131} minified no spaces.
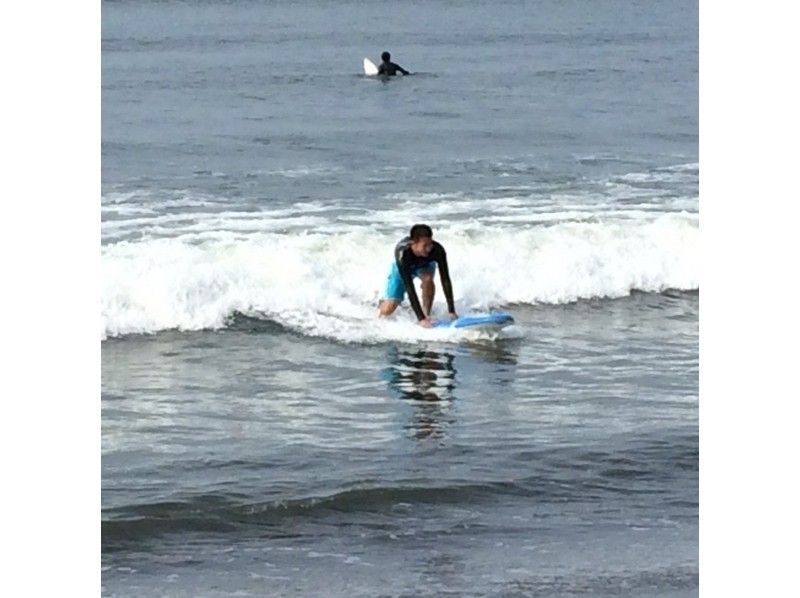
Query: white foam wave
{"x":327,"y":282}
{"x":302,"y":171}
{"x":148,"y":214}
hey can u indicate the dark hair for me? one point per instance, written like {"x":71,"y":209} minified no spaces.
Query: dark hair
{"x":419,"y":231}
{"x":386,"y":56}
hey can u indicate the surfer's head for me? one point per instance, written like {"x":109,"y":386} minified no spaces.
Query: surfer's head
{"x":386,"y":57}
{"x":421,"y":239}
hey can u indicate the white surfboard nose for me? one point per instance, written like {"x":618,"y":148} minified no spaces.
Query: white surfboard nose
{"x":369,"y":67}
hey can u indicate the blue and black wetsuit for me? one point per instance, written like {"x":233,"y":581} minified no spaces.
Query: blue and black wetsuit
{"x":407,"y":265}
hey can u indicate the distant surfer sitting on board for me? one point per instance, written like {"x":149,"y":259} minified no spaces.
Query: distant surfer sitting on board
{"x":417,"y":256}
{"x":387,"y":67}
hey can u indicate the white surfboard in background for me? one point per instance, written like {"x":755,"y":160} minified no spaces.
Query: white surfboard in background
{"x":370,"y":68}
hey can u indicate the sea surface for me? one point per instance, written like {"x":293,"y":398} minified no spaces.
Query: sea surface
{"x":264,"y":433}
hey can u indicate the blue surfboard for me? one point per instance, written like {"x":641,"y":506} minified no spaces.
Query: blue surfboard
{"x":494,"y":320}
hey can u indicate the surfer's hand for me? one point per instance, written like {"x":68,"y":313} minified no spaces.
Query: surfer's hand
{"x":426,"y":323}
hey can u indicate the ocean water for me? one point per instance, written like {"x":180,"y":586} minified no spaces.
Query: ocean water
{"x":264,"y":433}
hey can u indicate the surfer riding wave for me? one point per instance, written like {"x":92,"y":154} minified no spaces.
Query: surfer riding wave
{"x":417,"y":255}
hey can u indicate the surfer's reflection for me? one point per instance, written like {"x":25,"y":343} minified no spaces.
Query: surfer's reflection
{"x":427,"y":379}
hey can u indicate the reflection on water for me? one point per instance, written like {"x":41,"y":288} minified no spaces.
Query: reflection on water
{"x":427,"y":379}
{"x":422,"y":375}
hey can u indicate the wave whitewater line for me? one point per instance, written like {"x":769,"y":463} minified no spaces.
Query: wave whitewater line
{"x":328,"y":283}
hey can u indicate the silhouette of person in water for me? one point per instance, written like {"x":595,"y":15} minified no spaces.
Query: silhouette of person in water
{"x":387,"y":67}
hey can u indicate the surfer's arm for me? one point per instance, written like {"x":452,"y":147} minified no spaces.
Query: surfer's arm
{"x":402,"y":70}
{"x":408,"y":281}
{"x":444,"y":274}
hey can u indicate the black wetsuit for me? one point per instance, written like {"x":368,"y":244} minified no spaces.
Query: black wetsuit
{"x":407,"y":262}
{"x":390,"y":68}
